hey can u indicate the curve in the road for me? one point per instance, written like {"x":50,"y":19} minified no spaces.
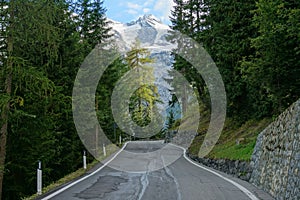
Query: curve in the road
{"x":242,"y":188}
{"x":237,"y":185}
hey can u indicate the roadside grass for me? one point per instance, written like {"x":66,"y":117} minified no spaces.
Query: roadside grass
{"x":68,"y":178}
{"x":235,"y":143}
{"x":233,"y":151}
{"x":226,"y":147}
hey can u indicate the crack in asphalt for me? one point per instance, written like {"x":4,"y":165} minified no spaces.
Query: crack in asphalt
{"x":145,"y":183}
{"x":168,"y":171}
{"x":181,"y":180}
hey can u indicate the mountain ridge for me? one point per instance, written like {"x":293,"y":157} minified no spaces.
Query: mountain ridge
{"x":148,"y":29}
{"x":152,"y":34}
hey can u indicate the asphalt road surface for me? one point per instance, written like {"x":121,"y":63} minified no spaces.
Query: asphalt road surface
{"x":138,"y":172}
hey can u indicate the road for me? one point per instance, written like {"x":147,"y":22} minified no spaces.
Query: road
{"x":181,"y":180}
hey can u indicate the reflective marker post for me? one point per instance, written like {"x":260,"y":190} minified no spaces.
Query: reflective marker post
{"x":39,"y":179}
{"x":84,"y":159}
{"x":115,"y":135}
{"x":104,"y":150}
{"x":120,"y":139}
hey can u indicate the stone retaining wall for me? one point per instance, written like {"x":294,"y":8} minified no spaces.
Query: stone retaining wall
{"x":276,"y":157}
{"x":239,"y":169}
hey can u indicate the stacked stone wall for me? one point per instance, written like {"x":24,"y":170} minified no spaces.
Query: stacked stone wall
{"x":276,"y":157}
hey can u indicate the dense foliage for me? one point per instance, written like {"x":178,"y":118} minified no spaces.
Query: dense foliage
{"x":143,"y":99}
{"x":42,"y":48}
{"x":254,"y":44}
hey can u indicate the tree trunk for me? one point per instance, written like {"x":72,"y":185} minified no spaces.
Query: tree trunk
{"x":3,"y":137}
{"x":5,"y":112}
{"x":4,"y":118}
{"x":184,"y":100}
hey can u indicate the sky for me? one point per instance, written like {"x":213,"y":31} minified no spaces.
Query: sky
{"x":129,"y":10}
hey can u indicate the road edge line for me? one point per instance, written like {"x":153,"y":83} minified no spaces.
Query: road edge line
{"x":242,"y":188}
{"x":85,"y":177}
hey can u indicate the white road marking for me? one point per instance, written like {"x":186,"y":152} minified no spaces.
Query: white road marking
{"x":242,"y":188}
{"x":85,"y":177}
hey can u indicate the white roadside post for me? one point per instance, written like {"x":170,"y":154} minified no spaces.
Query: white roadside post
{"x":120,"y":139}
{"x":104,"y":150}
{"x":84,"y":159}
{"x":39,"y":179}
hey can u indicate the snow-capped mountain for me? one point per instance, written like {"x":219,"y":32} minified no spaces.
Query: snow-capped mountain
{"x":152,"y":34}
{"x":149,"y":30}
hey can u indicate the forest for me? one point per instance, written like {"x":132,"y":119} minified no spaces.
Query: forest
{"x":254,"y":43}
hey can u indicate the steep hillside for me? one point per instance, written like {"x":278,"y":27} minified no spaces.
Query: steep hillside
{"x":236,"y":141}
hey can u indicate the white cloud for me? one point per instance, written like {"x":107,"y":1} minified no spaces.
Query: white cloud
{"x":164,"y":7}
{"x":133,"y":6}
{"x":160,"y":8}
{"x":148,"y":3}
{"x":131,"y":11}
{"x":146,"y":10}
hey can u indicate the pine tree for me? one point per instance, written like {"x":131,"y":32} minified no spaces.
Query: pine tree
{"x":19,"y":70}
{"x":6,"y":51}
{"x":178,"y":16}
{"x":40,"y":39}
{"x":272,"y":72}
{"x":93,"y":25}
{"x":188,"y":18}
{"x":104,"y":92}
{"x":42,"y":52}
{"x":143,"y":100}
{"x":227,"y":40}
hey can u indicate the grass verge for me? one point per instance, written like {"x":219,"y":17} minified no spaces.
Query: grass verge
{"x":235,"y":142}
{"x":80,"y":172}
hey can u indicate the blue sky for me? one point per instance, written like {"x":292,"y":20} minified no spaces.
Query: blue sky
{"x":126,"y":11}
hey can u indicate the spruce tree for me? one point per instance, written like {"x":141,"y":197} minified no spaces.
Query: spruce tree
{"x":188,"y":18}
{"x":272,"y":72}
{"x":227,"y":40}
{"x":92,"y":22}
{"x":23,"y":72}
{"x":42,"y":56}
